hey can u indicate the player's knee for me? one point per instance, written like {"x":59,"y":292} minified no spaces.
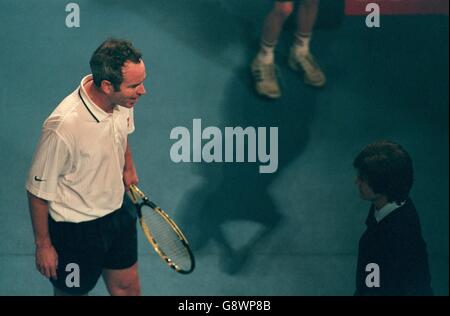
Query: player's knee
{"x":133,"y":289}
{"x":126,"y":288}
{"x":284,"y":9}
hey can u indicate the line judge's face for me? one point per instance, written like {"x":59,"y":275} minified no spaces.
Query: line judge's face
{"x":365,"y":191}
{"x":132,"y":86}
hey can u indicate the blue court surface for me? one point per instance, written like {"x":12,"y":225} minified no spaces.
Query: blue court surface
{"x":291,"y":231}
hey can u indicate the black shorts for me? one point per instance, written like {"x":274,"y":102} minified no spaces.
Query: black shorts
{"x":109,"y":242}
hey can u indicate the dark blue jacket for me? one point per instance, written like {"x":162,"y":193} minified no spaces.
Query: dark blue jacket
{"x":396,"y":245}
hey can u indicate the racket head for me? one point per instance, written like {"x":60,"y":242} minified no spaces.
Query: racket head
{"x":166,"y":238}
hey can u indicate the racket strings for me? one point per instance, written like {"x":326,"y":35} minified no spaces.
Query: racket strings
{"x":166,"y":238}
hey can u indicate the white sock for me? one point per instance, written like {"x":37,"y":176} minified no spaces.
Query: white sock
{"x":266,"y":53}
{"x":301,"y":43}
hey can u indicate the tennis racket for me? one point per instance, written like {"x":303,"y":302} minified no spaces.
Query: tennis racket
{"x":162,"y":233}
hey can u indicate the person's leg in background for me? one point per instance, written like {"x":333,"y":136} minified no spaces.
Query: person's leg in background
{"x":263,"y":66}
{"x":300,"y":57}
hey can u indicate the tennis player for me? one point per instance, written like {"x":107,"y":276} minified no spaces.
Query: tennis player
{"x":81,"y":169}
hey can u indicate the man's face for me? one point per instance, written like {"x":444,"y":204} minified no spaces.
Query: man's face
{"x":132,"y":86}
{"x":365,"y":191}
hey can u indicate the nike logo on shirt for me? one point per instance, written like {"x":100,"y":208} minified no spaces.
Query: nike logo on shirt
{"x":38,"y":179}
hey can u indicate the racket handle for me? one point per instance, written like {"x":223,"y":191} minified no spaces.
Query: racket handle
{"x":131,"y":194}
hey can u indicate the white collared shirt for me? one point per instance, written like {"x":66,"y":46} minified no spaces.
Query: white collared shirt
{"x":78,"y":164}
{"x":386,"y":210}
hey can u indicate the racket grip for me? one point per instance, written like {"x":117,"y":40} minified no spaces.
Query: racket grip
{"x":132,"y":195}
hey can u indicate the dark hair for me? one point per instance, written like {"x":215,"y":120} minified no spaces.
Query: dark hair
{"x":387,"y":168}
{"x":108,"y":59}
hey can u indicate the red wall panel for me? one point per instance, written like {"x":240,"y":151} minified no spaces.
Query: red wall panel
{"x":358,"y":7}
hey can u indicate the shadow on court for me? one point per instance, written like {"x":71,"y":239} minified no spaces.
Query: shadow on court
{"x":207,"y":27}
{"x":233,"y":207}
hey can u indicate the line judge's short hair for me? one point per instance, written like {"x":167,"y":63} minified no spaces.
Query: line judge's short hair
{"x":387,"y":168}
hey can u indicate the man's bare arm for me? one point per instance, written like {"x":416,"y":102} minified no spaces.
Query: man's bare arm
{"x":46,"y":256}
{"x":129,"y":170}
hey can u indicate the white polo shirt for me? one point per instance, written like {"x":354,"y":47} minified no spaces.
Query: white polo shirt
{"x":78,"y":164}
